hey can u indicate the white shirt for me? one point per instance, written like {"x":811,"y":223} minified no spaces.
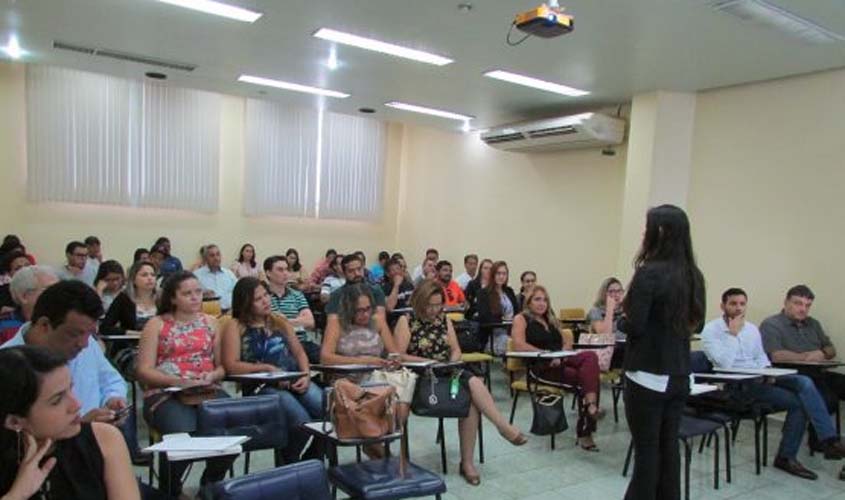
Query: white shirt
{"x":221,"y":282}
{"x":417,"y":274}
{"x":463,"y":280}
{"x":724,"y":350}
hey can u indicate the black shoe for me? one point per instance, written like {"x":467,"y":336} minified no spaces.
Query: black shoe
{"x":795,"y":468}
{"x":142,"y":460}
{"x":842,"y":474}
{"x":834,"y":449}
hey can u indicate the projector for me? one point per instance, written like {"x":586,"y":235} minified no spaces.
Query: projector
{"x":545,"y":21}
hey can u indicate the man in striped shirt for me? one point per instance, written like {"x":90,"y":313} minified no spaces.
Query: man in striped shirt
{"x":291,"y":303}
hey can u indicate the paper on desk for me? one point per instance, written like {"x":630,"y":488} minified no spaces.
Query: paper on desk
{"x":186,"y":442}
{"x":543,"y":355}
{"x":697,"y":389}
{"x":418,"y":364}
{"x":766,"y":372}
{"x":268,"y":375}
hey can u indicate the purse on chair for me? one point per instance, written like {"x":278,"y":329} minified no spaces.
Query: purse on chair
{"x":441,"y":396}
{"x":362,"y":412}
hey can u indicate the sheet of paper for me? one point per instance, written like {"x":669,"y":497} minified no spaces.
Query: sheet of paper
{"x":185,"y":442}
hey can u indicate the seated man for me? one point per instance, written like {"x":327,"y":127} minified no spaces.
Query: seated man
{"x":63,"y":319}
{"x":732,"y":342}
{"x":169,"y":264}
{"x":333,"y":280}
{"x":291,"y":303}
{"x":470,"y":268}
{"x":378,"y":271}
{"x":95,"y":253}
{"x":419,"y":272}
{"x":25,"y":288}
{"x":353,"y":271}
{"x":454,"y":295}
{"x":216,"y":281}
{"x":76,"y":253}
{"x":397,"y":289}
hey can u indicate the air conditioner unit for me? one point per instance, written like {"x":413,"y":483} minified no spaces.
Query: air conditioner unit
{"x":585,"y":130}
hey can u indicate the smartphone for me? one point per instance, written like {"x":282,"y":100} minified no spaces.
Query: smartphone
{"x":123,"y":412}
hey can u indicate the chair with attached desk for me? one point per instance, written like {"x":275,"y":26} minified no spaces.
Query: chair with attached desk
{"x":575,"y":318}
{"x":262,"y":418}
{"x":305,"y":479}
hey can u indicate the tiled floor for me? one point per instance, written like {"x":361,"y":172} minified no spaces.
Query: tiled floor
{"x":535,"y":472}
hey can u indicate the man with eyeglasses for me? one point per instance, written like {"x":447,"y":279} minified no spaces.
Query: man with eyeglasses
{"x":76,"y":253}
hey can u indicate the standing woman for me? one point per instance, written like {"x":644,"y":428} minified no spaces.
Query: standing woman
{"x":245,"y":266}
{"x":664,"y":305}
{"x":297,"y":275}
{"x":181,"y":347}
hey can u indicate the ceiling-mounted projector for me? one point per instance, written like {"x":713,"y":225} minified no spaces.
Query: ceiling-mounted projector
{"x":546,"y":21}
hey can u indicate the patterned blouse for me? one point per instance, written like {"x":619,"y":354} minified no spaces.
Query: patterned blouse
{"x":429,"y":338}
{"x":186,"y":349}
{"x":273,"y":349}
{"x":360,"y":341}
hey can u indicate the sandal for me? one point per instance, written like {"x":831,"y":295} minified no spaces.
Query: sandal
{"x":587,"y":447}
{"x":518,"y":440}
{"x":472,"y":479}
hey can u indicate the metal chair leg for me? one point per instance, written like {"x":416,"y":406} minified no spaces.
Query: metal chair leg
{"x":480,"y":439}
{"x":687,"y":460}
{"x":513,"y":406}
{"x":716,"y":461}
{"x":628,"y":458}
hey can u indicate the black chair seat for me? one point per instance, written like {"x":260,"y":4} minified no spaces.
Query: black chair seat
{"x":302,"y":480}
{"x":380,"y":480}
{"x":262,"y":418}
{"x":693,"y":427}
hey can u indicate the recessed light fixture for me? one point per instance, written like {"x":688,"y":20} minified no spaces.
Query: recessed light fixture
{"x":296,"y":87}
{"x":13,"y":48}
{"x":368,"y":111}
{"x":383,"y":47}
{"x":773,"y":16}
{"x":536,"y":83}
{"x":155,"y":75}
{"x":428,"y":111}
{"x":218,"y":9}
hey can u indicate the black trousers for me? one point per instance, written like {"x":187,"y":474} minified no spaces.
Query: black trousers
{"x":653,"y":419}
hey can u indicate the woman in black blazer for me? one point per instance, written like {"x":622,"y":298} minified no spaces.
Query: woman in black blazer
{"x":664,"y":305}
{"x":131,"y":309}
{"x":496,"y":303}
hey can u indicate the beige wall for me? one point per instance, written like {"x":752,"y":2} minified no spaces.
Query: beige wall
{"x":766,"y":196}
{"x":46,"y":228}
{"x":555,"y":213}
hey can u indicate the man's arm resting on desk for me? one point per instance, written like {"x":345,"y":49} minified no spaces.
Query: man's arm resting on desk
{"x":783,"y":355}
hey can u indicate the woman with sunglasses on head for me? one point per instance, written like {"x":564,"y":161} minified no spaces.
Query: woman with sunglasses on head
{"x":46,"y":451}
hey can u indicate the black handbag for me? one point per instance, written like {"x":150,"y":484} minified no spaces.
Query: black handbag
{"x":441,"y":396}
{"x":549,"y":415}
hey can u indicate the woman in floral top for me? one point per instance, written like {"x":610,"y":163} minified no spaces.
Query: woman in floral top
{"x":428,"y":334}
{"x":180,"y":347}
{"x":257,"y":340}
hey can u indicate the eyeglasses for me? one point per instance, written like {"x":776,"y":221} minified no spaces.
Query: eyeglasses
{"x":615,"y":290}
{"x":80,"y":255}
{"x":434,"y":307}
{"x":364,"y":310}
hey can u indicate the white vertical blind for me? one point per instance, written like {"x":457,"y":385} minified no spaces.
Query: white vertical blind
{"x":281,"y":159}
{"x":352,"y":167}
{"x":82,"y":135}
{"x":94,"y":138}
{"x":181,"y":148}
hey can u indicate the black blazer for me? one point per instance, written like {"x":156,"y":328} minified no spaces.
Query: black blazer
{"x":482,"y":305}
{"x":120,"y":317}
{"x":652,"y":344}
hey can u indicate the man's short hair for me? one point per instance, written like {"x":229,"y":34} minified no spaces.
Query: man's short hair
{"x":92,"y":240}
{"x":383,"y":255}
{"x":269,"y":262}
{"x":392,"y":262}
{"x":66,"y":296}
{"x":348,"y":259}
{"x":443,"y":263}
{"x":432,"y":250}
{"x":26,"y":280}
{"x":73,"y":245}
{"x":800,"y":291}
{"x":470,"y":256}
{"x":730,"y":292}
{"x":207,"y":248}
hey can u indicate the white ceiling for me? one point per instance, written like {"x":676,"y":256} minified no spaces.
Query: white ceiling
{"x":619,"y":48}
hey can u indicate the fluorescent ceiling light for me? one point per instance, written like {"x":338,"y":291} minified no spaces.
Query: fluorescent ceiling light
{"x":383,"y":47}
{"x":536,"y":83}
{"x":772,"y":16}
{"x":428,"y":111}
{"x":13,"y":48}
{"x":218,"y":9}
{"x":257,"y":80}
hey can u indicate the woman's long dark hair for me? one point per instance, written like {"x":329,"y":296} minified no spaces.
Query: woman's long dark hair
{"x":495,"y":294}
{"x":667,"y":239}
{"x":21,"y":371}
{"x":296,"y":265}
{"x":109,"y":267}
{"x":169,"y":288}
{"x":243,"y":297}
{"x":252,"y":263}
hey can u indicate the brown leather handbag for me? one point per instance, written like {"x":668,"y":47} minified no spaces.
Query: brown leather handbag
{"x":362,"y":412}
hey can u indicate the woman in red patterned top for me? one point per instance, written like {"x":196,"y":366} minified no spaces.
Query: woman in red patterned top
{"x":180,"y":348}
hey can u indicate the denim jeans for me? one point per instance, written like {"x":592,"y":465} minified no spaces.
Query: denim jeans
{"x":299,"y":409}
{"x":798,"y":396}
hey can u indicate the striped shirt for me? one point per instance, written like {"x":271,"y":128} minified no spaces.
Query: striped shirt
{"x":290,"y":304}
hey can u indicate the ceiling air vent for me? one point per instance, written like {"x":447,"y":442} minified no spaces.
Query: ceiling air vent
{"x":123,"y":56}
{"x":550,"y":132}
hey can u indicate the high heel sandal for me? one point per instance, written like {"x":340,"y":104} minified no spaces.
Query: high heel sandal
{"x":518,"y":440}
{"x":588,"y":447}
{"x":472,"y":479}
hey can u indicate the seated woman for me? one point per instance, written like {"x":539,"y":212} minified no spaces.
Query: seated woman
{"x":257,"y":340}
{"x":109,"y":281}
{"x":10,"y":264}
{"x":358,"y":336}
{"x":537,"y":329}
{"x":428,"y":334}
{"x":605,"y":314}
{"x":136,"y":304}
{"x":527,"y":281}
{"x":297,"y":275}
{"x":40,"y":418}
{"x":481,"y":280}
{"x":180,"y":347}
{"x":496,"y":303}
{"x":246,"y":266}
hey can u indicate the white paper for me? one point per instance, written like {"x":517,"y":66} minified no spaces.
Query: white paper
{"x":269,"y":375}
{"x":418,"y":364}
{"x":697,"y":389}
{"x":185,"y":442}
{"x":766,"y":372}
{"x":726,"y":376}
{"x":541,"y":355}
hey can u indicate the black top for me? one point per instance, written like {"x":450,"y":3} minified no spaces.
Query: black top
{"x":403,"y":296}
{"x":547,"y":339}
{"x":482,"y":305}
{"x":78,"y":473}
{"x":121,"y":316}
{"x":653,"y":346}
